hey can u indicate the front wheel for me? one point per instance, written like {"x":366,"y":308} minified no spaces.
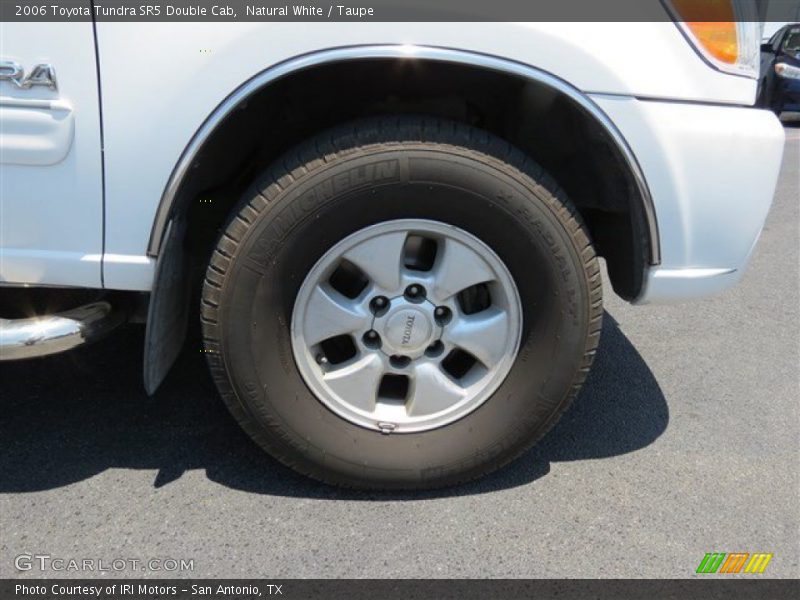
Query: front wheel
{"x":401,"y":303}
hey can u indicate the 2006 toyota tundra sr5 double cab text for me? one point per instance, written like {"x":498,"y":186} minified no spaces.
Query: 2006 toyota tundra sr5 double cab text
{"x":395,"y":229}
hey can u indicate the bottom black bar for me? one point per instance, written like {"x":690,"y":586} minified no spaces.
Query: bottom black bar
{"x":391,"y":589}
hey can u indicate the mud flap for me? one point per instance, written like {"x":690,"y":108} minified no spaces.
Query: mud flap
{"x":167,"y":314}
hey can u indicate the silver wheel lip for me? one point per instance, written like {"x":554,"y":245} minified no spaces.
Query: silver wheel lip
{"x":311,"y":372}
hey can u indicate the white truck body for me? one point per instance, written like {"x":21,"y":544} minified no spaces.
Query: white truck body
{"x":79,"y":205}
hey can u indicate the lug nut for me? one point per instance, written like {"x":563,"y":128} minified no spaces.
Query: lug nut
{"x":442,"y":315}
{"x":399,"y":362}
{"x":379,"y":304}
{"x":435,"y":349}
{"x":372,"y":339}
{"x":415,"y":293}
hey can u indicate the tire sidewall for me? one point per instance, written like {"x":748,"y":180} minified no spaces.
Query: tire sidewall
{"x":522,"y":221}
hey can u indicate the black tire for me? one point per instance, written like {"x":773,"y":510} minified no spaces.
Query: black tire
{"x":766,"y":100}
{"x":762,"y":100}
{"x":309,"y":200}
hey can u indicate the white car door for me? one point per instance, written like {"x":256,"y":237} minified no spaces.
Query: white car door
{"x":51,"y":186}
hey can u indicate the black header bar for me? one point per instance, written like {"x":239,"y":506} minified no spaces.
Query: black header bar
{"x":365,"y":10}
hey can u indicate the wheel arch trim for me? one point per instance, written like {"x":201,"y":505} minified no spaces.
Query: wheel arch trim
{"x":171,"y":192}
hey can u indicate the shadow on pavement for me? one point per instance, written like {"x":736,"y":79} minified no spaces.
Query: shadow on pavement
{"x":67,"y":418}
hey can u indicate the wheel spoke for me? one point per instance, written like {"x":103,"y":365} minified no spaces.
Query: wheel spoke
{"x":381,"y":259}
{"x":357,"y":383}
{"x":431,"y":391}
{"x":484,"y":335}
{"x":329,"y":314}
{"x":457,"y":268}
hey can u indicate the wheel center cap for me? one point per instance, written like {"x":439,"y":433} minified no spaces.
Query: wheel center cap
{"x":408,"y":330}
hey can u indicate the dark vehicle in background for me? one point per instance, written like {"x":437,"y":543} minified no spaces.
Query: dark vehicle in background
{"x":779,"y":88}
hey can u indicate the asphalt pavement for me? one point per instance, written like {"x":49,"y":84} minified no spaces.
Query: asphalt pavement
{"x":685,"y":440}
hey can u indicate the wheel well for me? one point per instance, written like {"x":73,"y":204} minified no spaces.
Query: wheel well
{"x":575,"y":149}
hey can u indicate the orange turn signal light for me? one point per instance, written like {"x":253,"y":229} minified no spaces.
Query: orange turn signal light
{"x":712,"y":23}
